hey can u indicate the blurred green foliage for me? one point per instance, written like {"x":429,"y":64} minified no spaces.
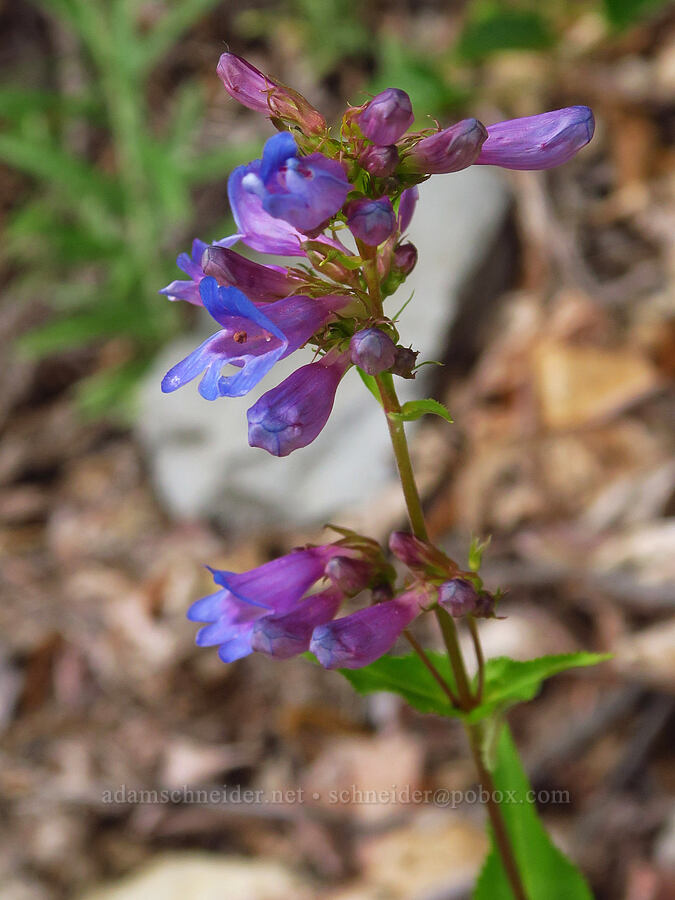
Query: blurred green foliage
{"x":92,"y":238}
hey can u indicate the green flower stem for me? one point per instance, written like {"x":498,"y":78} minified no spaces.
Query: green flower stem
{"x":480,"y":659}
{"x":465,"y":700}
{"x":390,"y":404}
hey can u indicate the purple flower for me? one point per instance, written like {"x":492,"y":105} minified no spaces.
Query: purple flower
{"x":293,"y":414}
{"x":289,"y":634}
{"x":538,"y":142}
{"x":251,"y":88}
{"x":449,"y":150}
{"x":371,"y":221}
{"x":350,"y":575}
{"x":406,"y":207}
{"x":273,"y":589}
{"x":405,"y":258}
{"x":260,"y":283}
{"x":250,"y":339}
{"x":387,"y":117}
{"x":192,"y":266}
{"x":379,"y":161}
{"x":372,"y":350}
{"x":458,"y":596}
{"x":303,"y":191}
{"x":362,"y":637}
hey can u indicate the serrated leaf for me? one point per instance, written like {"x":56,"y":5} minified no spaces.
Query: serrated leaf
{"x":415,"y":409}
{"x":407,"y":676}
{"x":510,"y":681}
{"x":507,"y":681}
{"x":545,"y":870}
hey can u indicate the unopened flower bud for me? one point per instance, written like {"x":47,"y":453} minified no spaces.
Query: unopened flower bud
{"x":404,"y":364}
{"x":372,"y":350}
{"x":405,"y":258}
{"x":458,"y":596}
{"x":449,"y":150}
{"x":257,"y":91}
{"x":349,"y":575}
{"x":379,"y":161}
{"x":485,"y":605}
{"x":371,"y":221}
{"x":387,"y":117}
{"x":419,"y":555}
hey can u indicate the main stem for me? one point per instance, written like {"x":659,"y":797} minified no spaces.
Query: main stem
{"x":390,"y":404}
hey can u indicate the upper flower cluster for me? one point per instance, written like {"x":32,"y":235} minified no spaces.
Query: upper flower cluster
{"x":340,"y":206}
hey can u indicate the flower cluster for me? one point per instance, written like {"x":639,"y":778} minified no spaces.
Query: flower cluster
{"x":340,"y":207}
{"x":289,"y":605}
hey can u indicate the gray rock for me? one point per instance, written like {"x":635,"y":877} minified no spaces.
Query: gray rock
{"x":198,"y":454}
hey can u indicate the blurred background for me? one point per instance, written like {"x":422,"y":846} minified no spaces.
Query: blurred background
{"x":550,"y":299}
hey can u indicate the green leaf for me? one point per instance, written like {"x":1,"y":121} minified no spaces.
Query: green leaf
{"x":370,"y":383}
{"x":507,"y":681}
{"x":545,"y":870}
{"x":409,"y":677}
{"x":504,"y":29}
{"x":622,"y":13}
{"x":510,"y":681}
{"x":415,"y":409}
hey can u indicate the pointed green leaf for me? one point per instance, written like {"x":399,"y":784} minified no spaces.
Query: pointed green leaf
{"x":407,"y":676}
{"x":545,"y":870}
{"x":509,"y":681}
{"x":370,"y":383}
{"x":415,"y":409}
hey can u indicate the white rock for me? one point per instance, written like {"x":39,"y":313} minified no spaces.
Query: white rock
{"x":198,"y":454}
{"x":202,"y":876}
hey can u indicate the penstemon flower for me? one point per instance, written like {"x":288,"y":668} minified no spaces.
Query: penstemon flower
{"x":339,"y":204}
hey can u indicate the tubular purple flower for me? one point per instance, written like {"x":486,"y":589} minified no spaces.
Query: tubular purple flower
{"x":261,"y":93}
{"x":251,"y":340}
{"x":272,"y":589}
{"x":379,"y":161}
{"x":303,"y":191}
{"x":406,"y":207}
{"x":458,"y":596}
{"x":371,"y":221}
{"x":538,"y":142}
{"x":372,"y":350}
{"x":293,"y":414}
{"x":449,"y":150}
{"x":362,"y":637}
{"x":387,"y":117}
{"x":288,"y":635}
{"x":260,"y":283}
{"x":192,"y":266}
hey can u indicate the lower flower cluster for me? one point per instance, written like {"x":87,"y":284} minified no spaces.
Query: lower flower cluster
{"x":289,"y":605}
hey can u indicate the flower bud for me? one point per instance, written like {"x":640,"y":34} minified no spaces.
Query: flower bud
{"x":418,"y":555}
{"x":405,"y":258}
{"x":259,"y":282}
{"x":372,"y":350}
{"x":257,"y":91}
{"x":485,"y":605}
{"x":371,"y":221}
{"x":387,"y":117}
{"x":379,"y":161}
{"x":404,"y":364}
{"x":458,"y":596}
{"x":449,"y":150}
{"x":350,"y":576}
